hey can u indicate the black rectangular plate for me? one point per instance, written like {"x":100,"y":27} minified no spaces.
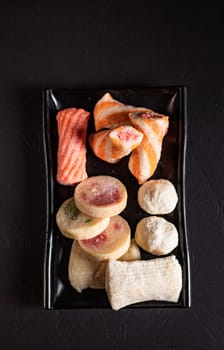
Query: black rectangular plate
{"x":58,"y":293}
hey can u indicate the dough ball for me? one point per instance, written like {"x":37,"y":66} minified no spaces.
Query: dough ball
{"x":157,"y":197}
{"x":156,"y":235}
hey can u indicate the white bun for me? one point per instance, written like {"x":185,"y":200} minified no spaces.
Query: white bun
{"x":156,"y":235}
{"x":157,"y":197}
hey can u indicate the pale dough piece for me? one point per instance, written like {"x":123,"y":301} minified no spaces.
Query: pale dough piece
{"x":101,"y":196}
{"x":137,"y":281}
{"x":99,"y":276}
{"x":156,"y":235}
{"x":82,"y":269}
{"x":87,"y":272}
{"x":133,"y":252}
{"x":112,"y":243}
{"x":157,"y":197}
{"x":74,"y":224}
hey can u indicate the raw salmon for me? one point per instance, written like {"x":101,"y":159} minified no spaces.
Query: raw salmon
{"x":72,"y":130}
{"x":144,"y":159}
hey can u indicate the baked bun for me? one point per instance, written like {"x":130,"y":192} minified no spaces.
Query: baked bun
{"x":101,"y":196}
{"x":156,"y":235}
{"x":157,"y":197}
{"x":74,"y":224}
{"x":112,"y":243}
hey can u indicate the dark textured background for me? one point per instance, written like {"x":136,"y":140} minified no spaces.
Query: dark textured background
{"x":111,"y":43}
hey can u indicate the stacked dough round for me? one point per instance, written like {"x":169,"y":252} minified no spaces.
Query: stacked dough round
{"x":75,"y":224}
{"x":92,"y":217}
{"x":101,"y":196}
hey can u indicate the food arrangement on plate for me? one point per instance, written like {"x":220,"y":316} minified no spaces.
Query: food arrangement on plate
{"x":105,"y":253}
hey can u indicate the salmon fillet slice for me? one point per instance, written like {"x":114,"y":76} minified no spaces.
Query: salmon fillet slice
{"x":71,"y":156}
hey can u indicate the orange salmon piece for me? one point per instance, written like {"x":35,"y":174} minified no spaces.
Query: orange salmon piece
{"x":144,"y":159}
{"x":112,"y":145}
{"x":71,"y":156}
{"x":109,"y":113}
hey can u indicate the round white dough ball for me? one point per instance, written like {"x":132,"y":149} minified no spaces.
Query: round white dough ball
{"x":156,"y":235}
{"x":157,"y":197}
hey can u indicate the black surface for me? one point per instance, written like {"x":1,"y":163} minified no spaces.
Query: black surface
{"x":171,"y":101}
{"x":83,"y":44}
